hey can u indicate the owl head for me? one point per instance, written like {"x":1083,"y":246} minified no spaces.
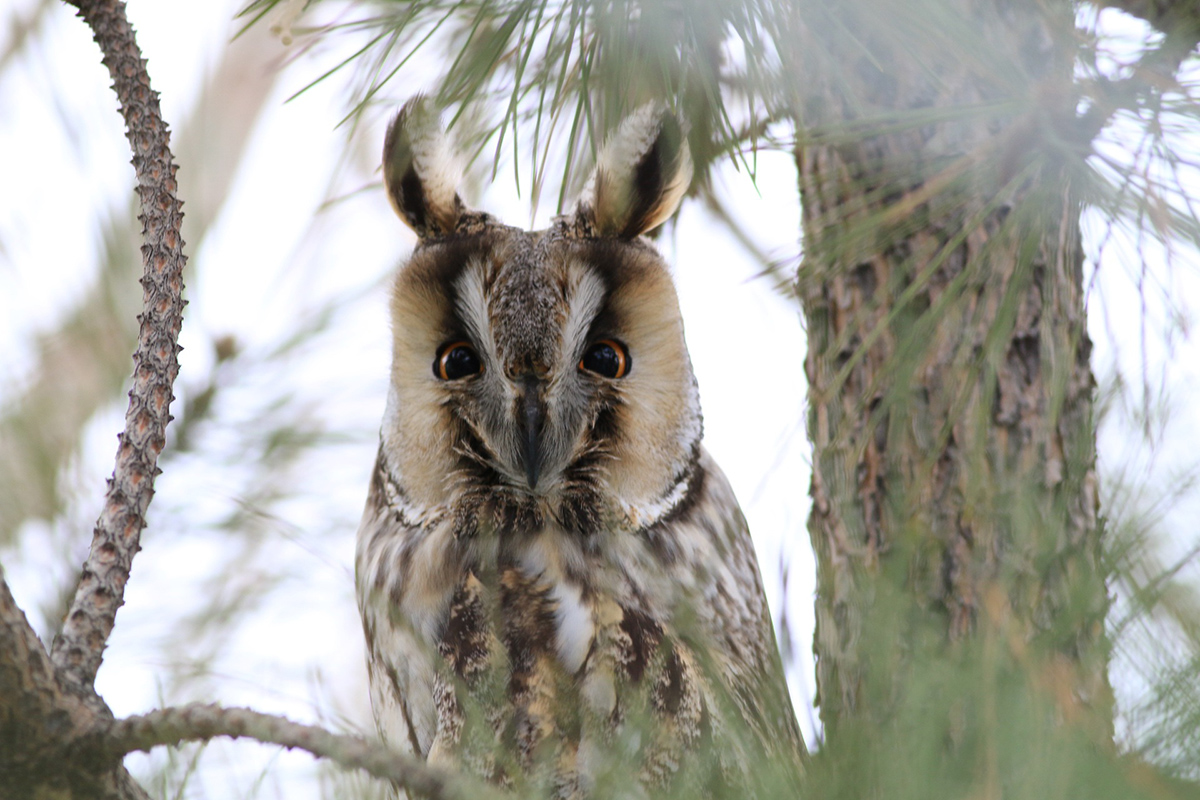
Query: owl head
{"x":540,"y":377}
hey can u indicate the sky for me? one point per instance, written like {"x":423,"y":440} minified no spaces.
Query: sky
{"x":277,"y":254}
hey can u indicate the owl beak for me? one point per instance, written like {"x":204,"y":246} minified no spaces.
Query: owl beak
{"x":530,"y":421}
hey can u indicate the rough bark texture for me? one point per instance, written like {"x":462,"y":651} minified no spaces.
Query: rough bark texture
{"x":79,"y":647}
{"x":950,"y":394}
{"x":31,"y":699}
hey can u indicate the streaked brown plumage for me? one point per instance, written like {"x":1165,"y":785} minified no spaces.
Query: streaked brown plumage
{"x":556,"y":583}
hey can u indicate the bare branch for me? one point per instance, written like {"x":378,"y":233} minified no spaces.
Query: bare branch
{"x":198,"y":722}
{"x":40,"y":722}
{"x":78,"y":649}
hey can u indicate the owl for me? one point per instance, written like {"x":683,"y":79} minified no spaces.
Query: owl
{"x":557,"y":587}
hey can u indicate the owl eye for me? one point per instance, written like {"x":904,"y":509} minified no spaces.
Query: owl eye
{"x":606,"y":358}
{"x":457,"y":360}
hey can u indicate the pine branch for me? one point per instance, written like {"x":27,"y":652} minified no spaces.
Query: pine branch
{"x":79,"y":647}
{"x":199,"y":722}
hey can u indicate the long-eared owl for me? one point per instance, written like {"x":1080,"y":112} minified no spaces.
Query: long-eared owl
{"x":557,"y":586}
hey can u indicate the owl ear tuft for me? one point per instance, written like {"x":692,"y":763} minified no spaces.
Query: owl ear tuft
{"x":421,"y":170}
{"x":641,"y":175}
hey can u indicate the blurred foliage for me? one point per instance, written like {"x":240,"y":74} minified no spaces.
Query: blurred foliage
{"x":548,"y":73}
{"x":538,"y":85}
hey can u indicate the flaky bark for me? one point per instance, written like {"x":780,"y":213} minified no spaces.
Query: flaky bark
{"x":79,"y":647}
{"x":950,"y":395}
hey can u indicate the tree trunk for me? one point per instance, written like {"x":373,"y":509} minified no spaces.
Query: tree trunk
{"x":950,"y":393}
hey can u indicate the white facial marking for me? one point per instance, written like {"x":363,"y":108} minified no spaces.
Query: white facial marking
{"x":473,"y":308}
{"x":641,"y":515}
{"x":587,"y":294}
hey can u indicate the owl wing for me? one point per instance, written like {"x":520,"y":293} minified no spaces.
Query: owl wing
{"x":714,"y":559}
{"x":401,"y":667}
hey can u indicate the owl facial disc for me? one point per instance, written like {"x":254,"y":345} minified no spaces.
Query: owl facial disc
{"x":515,"y":399}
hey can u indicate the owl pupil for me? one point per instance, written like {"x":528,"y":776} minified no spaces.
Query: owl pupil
{"x":606,"y":358}
{"x":458,"y":360}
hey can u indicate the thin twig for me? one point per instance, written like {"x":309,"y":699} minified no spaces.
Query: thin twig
{"x":199,"y":722}
{"x":79,"y":647}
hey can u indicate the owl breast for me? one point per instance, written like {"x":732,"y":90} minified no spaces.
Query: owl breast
{"x":546,"y":658}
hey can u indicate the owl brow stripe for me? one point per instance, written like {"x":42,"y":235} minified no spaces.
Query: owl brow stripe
{"x":435,"y":266}
{"x":471,"y":305}
{"x":588,"y":295}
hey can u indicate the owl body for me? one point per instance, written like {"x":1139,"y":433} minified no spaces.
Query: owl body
{"x":558,"y":590}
